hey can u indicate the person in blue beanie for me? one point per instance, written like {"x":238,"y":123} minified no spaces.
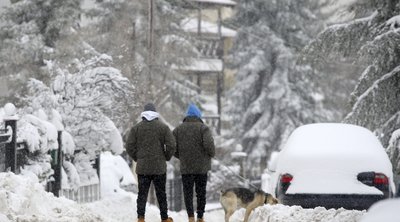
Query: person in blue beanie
{"x":195,"y":148}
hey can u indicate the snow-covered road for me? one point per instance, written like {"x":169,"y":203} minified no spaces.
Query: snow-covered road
{"x":122,"y":208}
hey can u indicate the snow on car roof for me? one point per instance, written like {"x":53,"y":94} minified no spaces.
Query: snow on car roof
{"x":332,"y":138}
{"x":326,"y":158}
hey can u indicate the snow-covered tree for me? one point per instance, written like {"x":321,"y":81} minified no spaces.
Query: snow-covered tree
{"x":29,"y":30}
{"x":87,"y":105}
{"x":65,"y":81}
{"x":91,"y":100}
{"x":273,"y":94}
{"x":111,"y":28}
{"x":370,"y":41}
{"x":120,"y":29}
{"x":394,"y":150}
{"x":39,"y":134}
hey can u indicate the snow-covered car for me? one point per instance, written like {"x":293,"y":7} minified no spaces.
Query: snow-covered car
{"x":269,"y":176}
{"x":398,"y":190}
{"x":333,"y":165}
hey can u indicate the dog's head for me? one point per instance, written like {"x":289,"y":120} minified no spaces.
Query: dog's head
{"x":269,"y":199}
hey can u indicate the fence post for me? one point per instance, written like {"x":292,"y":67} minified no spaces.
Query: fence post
{"x":97,"y":163}
{"x":11,"y":148}
{"x":57,"y":166}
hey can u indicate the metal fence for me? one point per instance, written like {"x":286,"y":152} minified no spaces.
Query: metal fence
{"x":175,"y":197}
{"x":175,"y":194}
{"x":84,"y":194}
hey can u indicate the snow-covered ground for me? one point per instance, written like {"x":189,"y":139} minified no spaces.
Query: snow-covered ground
{"x":123,"y":208}
{"x":386,"y":210}
{"x":22,"y":198}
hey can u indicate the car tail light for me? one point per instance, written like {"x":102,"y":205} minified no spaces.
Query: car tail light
{"x":380,"y":179}
{"x":286,"y":178}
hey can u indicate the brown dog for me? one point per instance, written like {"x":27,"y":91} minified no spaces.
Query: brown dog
{"x":234,"y":198}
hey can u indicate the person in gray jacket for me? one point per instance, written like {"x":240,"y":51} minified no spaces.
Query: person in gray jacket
{"x":195,"y":148}
{"x":150,"y":144}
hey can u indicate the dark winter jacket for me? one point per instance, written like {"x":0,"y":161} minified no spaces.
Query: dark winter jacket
{"x":195,"y":146}
{"x":150,"y":144}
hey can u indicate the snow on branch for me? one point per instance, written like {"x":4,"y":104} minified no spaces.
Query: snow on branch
{"x":340,"y":40}
{"x":380,"y":56}
{"x":94,"y":101}
{"x":39,"y":134}
{"x":394,"y":150}
{"x":378,"y":103}
{"x":394,"y":22}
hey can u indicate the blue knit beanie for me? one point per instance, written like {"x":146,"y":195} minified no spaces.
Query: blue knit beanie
{"x":193,"y":111}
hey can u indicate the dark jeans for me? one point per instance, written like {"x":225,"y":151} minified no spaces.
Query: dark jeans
{"x":159,"y":182}
{"x":199,"y":181}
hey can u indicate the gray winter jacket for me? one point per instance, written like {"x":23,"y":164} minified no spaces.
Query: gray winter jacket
{"x":194,"y":146}
{"x":150,"y":144}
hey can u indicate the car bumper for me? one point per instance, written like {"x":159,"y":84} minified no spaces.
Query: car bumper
{"x":354,"y":202}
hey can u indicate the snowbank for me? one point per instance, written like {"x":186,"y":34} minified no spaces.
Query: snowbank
{"x":386,"y":210}
{"x":282,"y":213}
{"x":117,"y":172}
{"x":24,"y":199}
